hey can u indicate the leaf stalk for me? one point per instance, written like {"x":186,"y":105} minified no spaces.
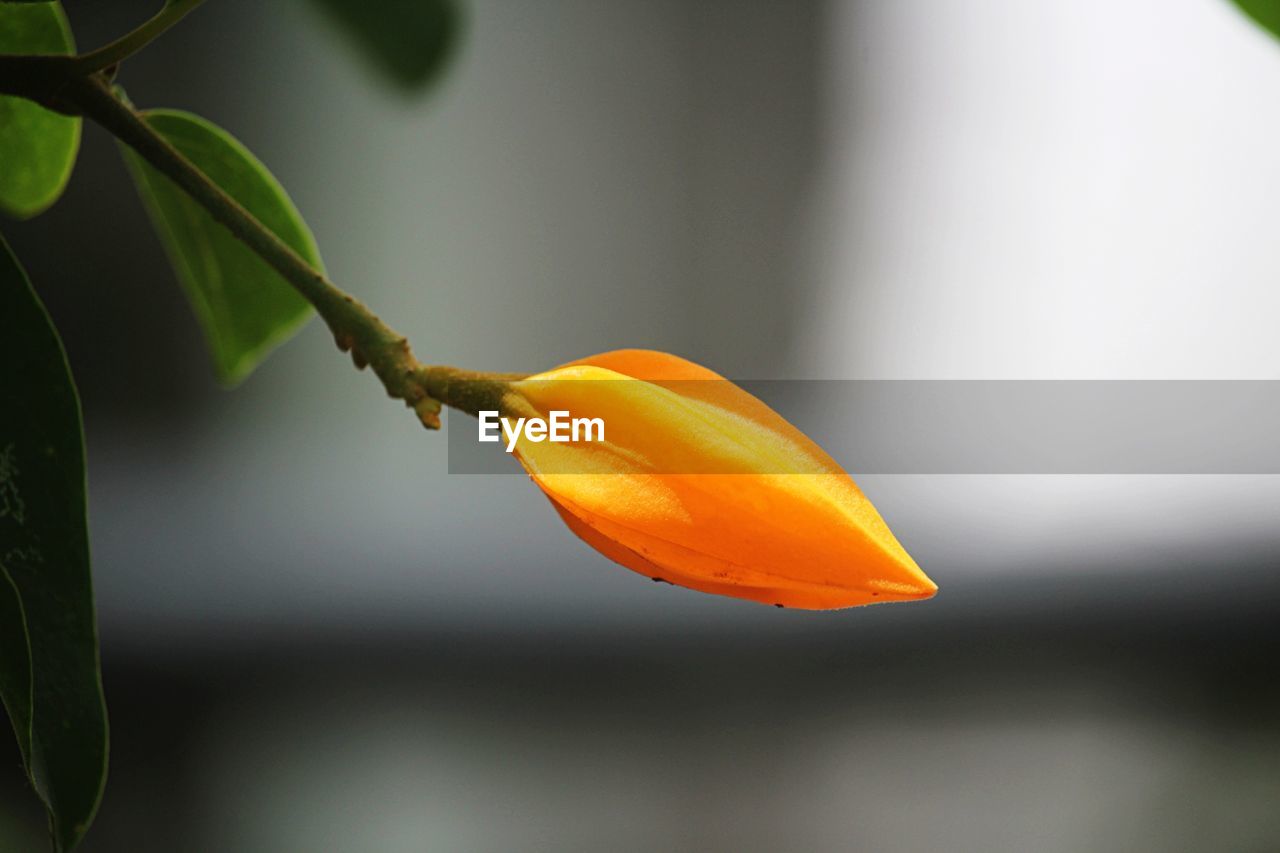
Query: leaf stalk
{"x":80,"y":86}
{"x":132,"y":42}
{"x":355,"y":328}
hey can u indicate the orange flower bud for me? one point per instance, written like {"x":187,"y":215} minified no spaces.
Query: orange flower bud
{"x":700,"y":484}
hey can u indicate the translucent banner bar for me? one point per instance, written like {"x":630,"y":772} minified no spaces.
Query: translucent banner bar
{"x":886,"y":427}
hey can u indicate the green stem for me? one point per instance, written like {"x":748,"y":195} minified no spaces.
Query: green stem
{"x":355,"y":328}
{"x":130,"y":43}
{"x":469,"y":391}
{"x":60,"y":83}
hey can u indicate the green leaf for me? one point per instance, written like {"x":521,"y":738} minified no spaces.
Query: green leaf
{"x":1265,"y":12}
{"x":245,"y":307}
{"x":37,"y":146}
{"x":15,"y":664}
{"x":409,"y":41}
{"x":53,"y":688}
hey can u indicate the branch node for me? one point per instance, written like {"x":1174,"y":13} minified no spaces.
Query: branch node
{"x":428,"y":412}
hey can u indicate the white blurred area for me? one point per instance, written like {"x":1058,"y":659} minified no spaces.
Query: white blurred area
{"x":1081,"y":190}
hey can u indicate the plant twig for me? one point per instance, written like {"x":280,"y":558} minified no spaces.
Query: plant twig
{"x":355,"y":328}
{"x":130,"y":43}
{"x":62,"y":83}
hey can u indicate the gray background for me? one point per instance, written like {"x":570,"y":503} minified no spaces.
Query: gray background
{"x":316,"y":639}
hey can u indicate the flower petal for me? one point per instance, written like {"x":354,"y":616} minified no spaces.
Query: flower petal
{"x":705,"y":486}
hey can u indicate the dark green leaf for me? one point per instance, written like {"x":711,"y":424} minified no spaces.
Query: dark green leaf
{"x":410,"y":41}
{"x":245,"y":306}
{"x":1265,"y":12}
{"x":44,"y":549}
{"x":15,"y":663}
{"x":37,"y":147}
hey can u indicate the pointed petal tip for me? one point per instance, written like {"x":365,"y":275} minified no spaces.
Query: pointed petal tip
{"x":923,"y":587}
{"x":915,"y":584}
{"x":917,"y":587}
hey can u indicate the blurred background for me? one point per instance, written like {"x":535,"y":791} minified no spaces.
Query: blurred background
{"x":315,"y":639}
